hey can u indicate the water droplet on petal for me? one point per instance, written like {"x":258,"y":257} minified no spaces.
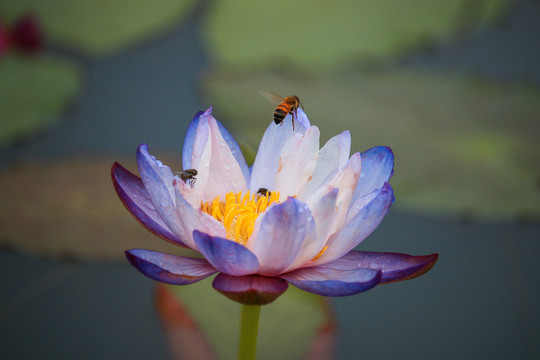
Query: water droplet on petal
{"x":207,"y":164}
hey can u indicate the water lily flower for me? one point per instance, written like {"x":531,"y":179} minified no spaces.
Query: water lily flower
{"x":294,"y":217}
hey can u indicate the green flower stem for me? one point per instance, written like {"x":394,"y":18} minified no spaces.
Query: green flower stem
{"x":249,"y":326}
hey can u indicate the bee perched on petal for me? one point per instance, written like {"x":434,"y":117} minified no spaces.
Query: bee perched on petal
{"x":286,"y":105}
{"x":188,"y":176}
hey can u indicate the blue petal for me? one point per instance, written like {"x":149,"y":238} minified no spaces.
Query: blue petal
{"x":170,"y":269}
{"x":158,"y":181}
{"x":225,"y":255}
{"x":326,"y":281}
{"x":133,"y":195}
{"x":189,"y":140}
{"x":394,"y":266}
{"x":377,"y":169}
{"x":301,"y":118}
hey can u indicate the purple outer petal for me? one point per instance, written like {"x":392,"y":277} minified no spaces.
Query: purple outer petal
{"x":250,"y":289}
{"x":189,"y":139}
{"x":225,"y":255}
{"x":394,"y":266}
{"x":158,"y":181}
{"x":133,"y":195}
{"x":170,"y":269}
{"x":323,"y":280}
{"x":377,"y":169}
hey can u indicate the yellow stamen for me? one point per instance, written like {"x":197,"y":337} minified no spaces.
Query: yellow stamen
{"x":320,"y":253}
{"x":238,"y":212}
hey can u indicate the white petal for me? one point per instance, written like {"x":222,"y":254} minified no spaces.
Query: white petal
{"x":297,"y":162}
{"x":332,"y":157}
{"x":345,"y":180}
{"x":323,"y":209}
{"x":194,"y":219}
{"x":193,"y":195}
{"x":279,"y":234}
{"x":218,"y":170}
{"x":266,"y":162}
{"x":359,"y":227}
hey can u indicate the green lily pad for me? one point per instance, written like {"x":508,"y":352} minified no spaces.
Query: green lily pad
{"x":320,"y":35}
{"x":100,"y":27}
{"x":462,"y":145}
{"x":33,"y":92}
{"x":287,"y":327}
{"x":69,"y":209}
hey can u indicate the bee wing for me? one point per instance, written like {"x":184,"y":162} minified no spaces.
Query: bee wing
{"x":273,"y":98}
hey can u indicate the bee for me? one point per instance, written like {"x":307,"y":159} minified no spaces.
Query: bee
{"x":263,"y":192}
{"x":188,"y":176}
{"x":287,"y":105}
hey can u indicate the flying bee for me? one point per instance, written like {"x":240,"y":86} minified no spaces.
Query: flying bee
{"x":263,"y":192}
{"x":188,"y":176}
{"x":287,"y":105}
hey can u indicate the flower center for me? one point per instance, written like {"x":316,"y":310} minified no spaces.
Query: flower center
{"x":238,"y":212}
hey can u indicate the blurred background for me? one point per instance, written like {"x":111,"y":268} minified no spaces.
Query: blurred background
{"x":453,"y":87}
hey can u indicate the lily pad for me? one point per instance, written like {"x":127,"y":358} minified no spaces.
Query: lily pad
{"x":69,"y":209}
{"x":463,"y":146}
{"x":33,"y":92}
{"x":319,"y":35}
{"x":100,"y":27}
{"x":288,"y":328}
